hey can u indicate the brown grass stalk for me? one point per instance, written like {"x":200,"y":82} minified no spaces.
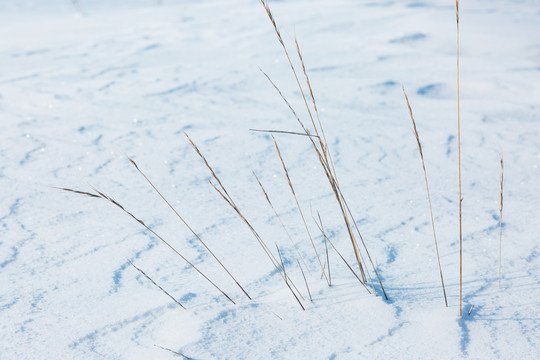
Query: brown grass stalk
{"x":305,"y":280}
{"x":337,"y":251}
{"x":332,"y":178}
{"x":189,"y":227}
{"x":337,"y":191}
{"x":155,"y":284}
{"x":459,"y":166}
{"x":326,"y":248}
{"x":334,"y":183}
{"x":323,"y":153}
{"x":225,"y":195}
{"x":280,"y":221}
{"x":282,"y":132}
{"x":299,"y":208}
{"x":286,"y":282}
{"x":114,"y":202}
{"x":428,"y":195}
{"x":500,"y":221}
{"x":174,"y":352}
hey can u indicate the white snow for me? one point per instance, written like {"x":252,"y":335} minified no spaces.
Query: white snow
{"x":85,"y":83}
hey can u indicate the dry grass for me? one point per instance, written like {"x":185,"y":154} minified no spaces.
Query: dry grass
{"x":313,"y":132}
{"x":299,"y":208}
{"x":320,"y":226}
{"x":286,"y":282}
{"x":189,"y":227}
{"x":280,"y":221}
{"x":500,"y":221}
{"x":459,"y":166}
{"x":174,"y":352}
{"x":428,"y":195}
{"x":101,"y":195}
{"x":220,"y":189}
{"x":155,"y":284}
{"x":305,"y":280}
{"x":322,"y":150}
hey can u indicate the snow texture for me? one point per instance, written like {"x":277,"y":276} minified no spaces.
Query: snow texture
{"x":85,"y":83}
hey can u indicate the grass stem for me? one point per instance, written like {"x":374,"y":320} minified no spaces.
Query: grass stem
{"x":428,"y":195}
{"x":190,"y":228}
{"x":500,"y":221}
{"x":459,"y":166}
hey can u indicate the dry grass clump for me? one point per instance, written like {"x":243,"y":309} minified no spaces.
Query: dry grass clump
{"x":323,"y":153}
{"x":313,"y":131}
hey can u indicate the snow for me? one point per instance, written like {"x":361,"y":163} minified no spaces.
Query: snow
{"x":85,"y":84}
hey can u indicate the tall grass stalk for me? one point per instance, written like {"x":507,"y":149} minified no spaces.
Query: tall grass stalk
{"x":101,"y":195}
{"x":286,"y":282}
{"x":280,"y":221}
{"x":500,"y":221}
{"x":322,"y":150}
{"x":228,"y":199}
{"x":428,"y":195}
{"x":174,"y":352}
{"x":337,"y":251}
{"x":326,"y":246}
{"x":459,"y":166}
{"x":155,"y":284}
{"x":282,"y":132}
{"x":305,"y":280}
{"x":299,"y":208}
{"x":189,"y":227}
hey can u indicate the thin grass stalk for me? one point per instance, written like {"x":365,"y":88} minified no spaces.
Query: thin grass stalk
{"x":286,"y":282}
{"x":330,"y":172}
{"x":174,"y":352}
{"x":299,"y":208}
{"x":428,"y":195}
{"x":280,"y":221}
{"x":280,"y":39}
{"x":159,"y":287}
{"x":114,"y":202}
{"x":335,"y":189}
{"x":322,"y":141}
{"x":341,"y":256}
{"x":324,"y":268}
{"x":190,"y":228}
{"x":209,"y":168}
{"x":305,"y":280}
{"x":330,"y":175}
{"x":279,"y":317}
{"x":271,"y":256}
{"x":326,"y":247}
{"x":500,"y":221}
{"x":282,"y":132}
{"x":365,"y":248}
{"x":459,"y":166}
{"x":224,"y":194}
{"x":340,"y":197}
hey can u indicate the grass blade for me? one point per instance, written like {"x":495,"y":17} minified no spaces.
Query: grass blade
{"x":299,"y":208}
{"x":459,"y":167}
{"x":114,"y":202}
{"x":190,"y":228}
{"x":428,"y":195}
{"x":159,"y":287}
{"x":500,"y":221}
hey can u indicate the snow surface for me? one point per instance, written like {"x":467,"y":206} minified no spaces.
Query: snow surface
{"x":84,"y":84}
